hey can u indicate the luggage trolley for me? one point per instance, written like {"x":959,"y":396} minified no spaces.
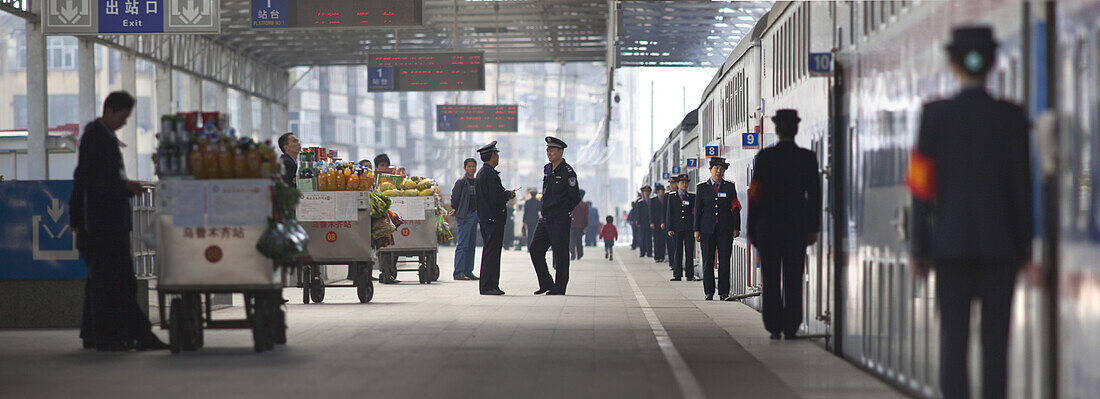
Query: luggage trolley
{"x":337,"y":239}
{"x":416,"y":238}
{"x":206,"y":234}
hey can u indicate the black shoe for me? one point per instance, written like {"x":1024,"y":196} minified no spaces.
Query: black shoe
{"x":88,"y":343}
{"x":542,"y":291}
{"x":775,"y":336}
{"x":492,"y":292}
{"x":472,"y":277}
{"x":710,"y":297}
{"x":556,"y":292}
{"x":151,"y":343}
{"x":725,"y":298}
{"x":790,"y":336}
{"x":115,"y":346}
{"x":461,"y":278}
{"x":692,"y":279}
{"x":675,"y":279}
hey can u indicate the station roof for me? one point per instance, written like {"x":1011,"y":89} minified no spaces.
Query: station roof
{"x":652,"y":33}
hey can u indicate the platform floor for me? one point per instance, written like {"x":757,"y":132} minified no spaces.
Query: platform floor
{"x":624,"y":331}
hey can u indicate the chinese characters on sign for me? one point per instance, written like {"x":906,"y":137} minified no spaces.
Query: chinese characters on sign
{"x":213,"y":232}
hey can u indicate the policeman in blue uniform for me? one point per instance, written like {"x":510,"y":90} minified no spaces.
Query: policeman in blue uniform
{"x":560,"y":194}
{"x":784,"y":218}
{"x":657,"y":211}
{"x":972,"y":211}
{"x":717,"y":223}
{"x":679,"y":219}
{"x":643,"y":215}
{"x":492,"y":201}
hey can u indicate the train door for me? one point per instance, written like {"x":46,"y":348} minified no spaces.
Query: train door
{"x":834,"y":204}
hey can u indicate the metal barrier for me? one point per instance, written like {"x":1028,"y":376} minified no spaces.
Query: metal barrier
{"x":144,"y":208}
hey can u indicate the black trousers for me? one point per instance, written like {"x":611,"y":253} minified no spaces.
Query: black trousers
{"x":576,"y":242}
{"x":782,"y":264}
{"x":958,"y":283}
{"x":608,"y":246}
{"x":720,"y":244}
{"x":682,"y":256}
{"x":493,"y":237}
{"x":635,"y":236}
{"x":660,"y":243}
{"x":647,"y":241}
{"x":551,"y":233}
{"x":111,"y":311}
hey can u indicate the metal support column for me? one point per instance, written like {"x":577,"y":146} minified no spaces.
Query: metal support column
{"x":244,"y":128}
{"x":163,"y":90}
{"x":194,"y":94}
{"x":281,"y":115}
{"x":86,"y":98}
{"x":266,"y":125}
{"x":221,"y":98}
{"x":38,"y":165}
{"x":612,"y":50}
{"x":128,"y":133}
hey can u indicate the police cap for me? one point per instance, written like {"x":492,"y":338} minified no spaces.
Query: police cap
{"x":552,"y":141}
{"x":683,"y":177}
{"x":972,"y":38}
{"x":491,"y":147}
{"x":719,"y":161}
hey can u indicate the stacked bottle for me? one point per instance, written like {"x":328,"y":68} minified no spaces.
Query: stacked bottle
{"x":211,"y":151}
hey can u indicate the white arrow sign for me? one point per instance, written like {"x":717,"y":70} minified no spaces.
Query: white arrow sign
{"x":55,"y":210}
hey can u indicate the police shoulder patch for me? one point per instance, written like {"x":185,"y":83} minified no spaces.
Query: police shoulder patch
{"x":572,"y":181}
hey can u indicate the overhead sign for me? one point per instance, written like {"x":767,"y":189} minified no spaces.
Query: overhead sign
{"x":665,"y":175}
{"x":676,"y":170}
{"x":821,"y":64}
{"x":750,"y":141}
{"x":691,"y":163}
{"x":476,"y":118}
{"x":435,"y":71}
{"x":336,"y":14}
{"x":710,"y":150}
{"x":93,"y":17}
{"x":36,"y":241}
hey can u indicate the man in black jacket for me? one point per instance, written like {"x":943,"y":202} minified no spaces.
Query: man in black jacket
{"x":717,"y":223}
{"x":970,"y":178}
{"x":680,"y":219}
{"x":560,"y":194}
{"x":492,"y":200}
{"x":784,"y":217}
{"x":643,"y":216}
{"x":100,"y":216}
{"x":464,"y":210}
{"x":531,"y":210}
{"x":290,"y":146}
{"x":657,"y":223}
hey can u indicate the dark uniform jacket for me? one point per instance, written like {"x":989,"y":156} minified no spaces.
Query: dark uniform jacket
{"x":657,"y":210}
{"x":641,"y":212}
{"x":531,"y":212}
{"x":560,"y":192}
{"x":491,"y":197}
{"x":681,"y":212}
{"x":714,"y":209}
{"x":100,"y":204}
{"x":290,"y":170}
{"x":784,"y":195}
{"x":971,"y":182}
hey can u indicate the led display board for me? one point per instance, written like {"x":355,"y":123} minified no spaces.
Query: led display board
{"x":476,"y":118}
{"x":434,"y":71}
{"x":336,"y":14}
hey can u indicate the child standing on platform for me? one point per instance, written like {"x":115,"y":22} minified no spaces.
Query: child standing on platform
{"x":609,"y":234}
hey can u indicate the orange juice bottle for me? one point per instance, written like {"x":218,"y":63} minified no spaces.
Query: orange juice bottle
{"x":225,"y":161}
{"x":195,"y":159}
{"x":253,"y":158}
{"x":210,"y":160}
{"x":353,"y":181}
{"x":240,"y":163}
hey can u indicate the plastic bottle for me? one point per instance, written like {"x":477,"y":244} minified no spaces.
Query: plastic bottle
{"x":195,"y":158}
{"x":225,"y":160}
{"x":353,"y":181}
{"x":210,"y":158}
{"x":266,"y":166}
{"x":240,"y":161}
{"x":253,"y":159}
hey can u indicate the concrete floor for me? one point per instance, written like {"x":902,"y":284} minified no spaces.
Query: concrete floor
{"x":445,"y":340}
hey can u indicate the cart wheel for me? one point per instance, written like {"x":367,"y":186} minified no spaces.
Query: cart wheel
{"x":317,"y":290}
{"x":302,"y":279}
{"x":425,"y":274}
{"x":364,"y":287}
{"x":259,"y":332}
{"x":175,"y":318}
{"x":435,"y":270}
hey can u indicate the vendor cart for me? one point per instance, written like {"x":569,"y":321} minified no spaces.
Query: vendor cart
{"x":338,"y":236}
{"x":416,"y":238}
{"x":206,"y":234}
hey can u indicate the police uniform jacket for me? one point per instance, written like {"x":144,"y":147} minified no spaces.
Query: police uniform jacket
{"x":560,"y":193}
{"x":681,"y":212}
{"x":784,"y":194}
{"x":100,"y":204}
{"x":531,"y":211}
{"x":642,"y":215}
{"x":714,"y":208}
{"x":490,"y":196}
{"x":657,"y":210}
{"x":970,"y":180}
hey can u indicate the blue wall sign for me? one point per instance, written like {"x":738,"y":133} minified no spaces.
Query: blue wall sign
{"x":821,"y":63}
{"x":36,"y":241}
{"x":269,"y":14}
{"x":444,"y":122}
{"x":711,"y":150}
{"x":665,"y":176}
{"x":676,"y":170}
{"x":131,"y":16}
{"x":381,"y":78}
{"x":692,"y":163}
{"x":750,"y":140}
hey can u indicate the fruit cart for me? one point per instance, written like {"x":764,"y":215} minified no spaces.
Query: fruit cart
{"x":207,"y":233}
{"x":339,"y":226}
{"x":416,"y":238}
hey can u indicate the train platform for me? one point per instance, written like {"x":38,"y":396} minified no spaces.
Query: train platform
{"x":622,"y":331}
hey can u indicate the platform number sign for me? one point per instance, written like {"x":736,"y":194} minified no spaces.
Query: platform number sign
{"x":711,"y":150}
{"x":750,"y":141}
{"x":821,"y":64}
{"x":676,"y":170}
{"x":692,"y":163}
{"x":665,"y":175}
{"x":380,"y":78}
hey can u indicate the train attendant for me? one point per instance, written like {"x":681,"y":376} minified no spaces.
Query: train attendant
{"x":666,"y":229}
{"x":717,"y":223}
{"x":657,"y":213}
{"x":680,"y":217}
{"x":972,"y":214}
{"x":784,"y":218}
{"x":641,"y":215}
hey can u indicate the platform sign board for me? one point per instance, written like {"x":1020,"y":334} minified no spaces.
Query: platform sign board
{"x":691,"y":163}
{"x":94,"y":17}
{"x":821,"y":64}
{"x":675,"y":170}
{"x":431,"y":71}
{"x":710,"y":151}
{"x":750,"y":141}
{"x":380,"y":78}
{"x":665,"y":175}
{"x":36,"y":241}
{"x":476,"y":118}
{"x":337,"y":14}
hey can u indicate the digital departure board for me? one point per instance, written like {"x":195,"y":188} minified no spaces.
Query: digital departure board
{"x":337,"y":14}
{"x":426,"y":71}
{"x":476,"y":118}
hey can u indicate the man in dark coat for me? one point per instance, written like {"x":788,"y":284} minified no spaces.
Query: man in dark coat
{"x":590,"y":235}
{"x":680,"y":219}
{"x":970,"y":178}
{"x":784,"y":217}
{"x":100,"y":216}
{"x":492,"y":201}
{"x":576,"y":229}
{"x":531,"y":210}
{"x":290,"y":146}
{"x":717,"y":223}
{"x":657,"y":223}
{"x":632,"y":218}
{"x":560,"y":194}
{"x":643,"y":216}
{"x":464,"y":210}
